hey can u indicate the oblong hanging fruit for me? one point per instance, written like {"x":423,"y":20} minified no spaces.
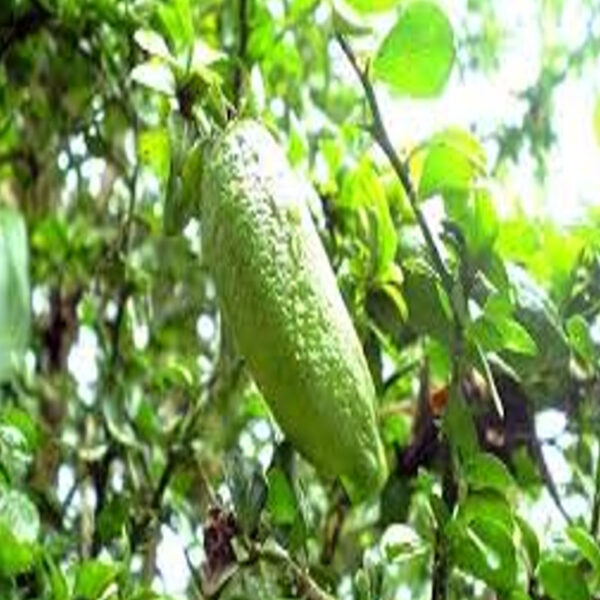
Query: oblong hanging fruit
{"x":280,"y":298}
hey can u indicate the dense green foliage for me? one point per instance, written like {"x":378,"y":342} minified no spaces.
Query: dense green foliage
{"x":138,"y":459}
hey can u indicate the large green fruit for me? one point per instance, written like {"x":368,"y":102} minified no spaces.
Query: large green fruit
{"x":279,"y":295}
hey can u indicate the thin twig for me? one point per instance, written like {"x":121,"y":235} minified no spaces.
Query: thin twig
{"x":380,"y":135}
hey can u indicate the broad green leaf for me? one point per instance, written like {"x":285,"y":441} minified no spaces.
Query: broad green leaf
{"x":15,"y":557}
{"x":281,"y":499}
{"x":113,"y":518}
{"x":19,"y":529}
{"x":155,"y":75}
{"x":426,"y":304}
{"x":515,"y":337}
{"x":184,"y":12}
{"x":489,"y":504}
{"x":14,"y":290}
{"x":416,"y":56}
{"x":562,"y":580}
{"x":371,"y":6}
{"x":483,"y":332}
{"x":482,"y":235}
{"x":176,"y":17}
{"x":20,"y":515}
{"x":453,"y":161}
{"x":15,"y":452}
{"x":530,"y":541}
{"x":154,"y":151}
{"x":580,"y":339}
{"x":485,"y":471}
{"x":24,"y":423}
{"x":93,"y":578}
{"x":587,"y":545}
{"x":484,"y":549}
{"x":497,"y":306}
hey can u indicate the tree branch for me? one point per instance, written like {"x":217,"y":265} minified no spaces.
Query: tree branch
{"x":379,"y":133}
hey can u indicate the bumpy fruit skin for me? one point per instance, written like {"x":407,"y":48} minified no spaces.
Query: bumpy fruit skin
{"x":279,"y":295}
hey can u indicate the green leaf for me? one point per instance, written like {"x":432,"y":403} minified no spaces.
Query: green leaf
{"x":580,"y":339}
{"x":176,"y":17}
{"x":155,"y":75}
{"x":371,"y":6}
{"x":453,"y":161}
{"x":488,"y":504}
{"x":14,"y":290}
{"x":485,"y":471}
{"x":485,"y":226}
{"x":184,"y":12}
{"x":20,"y":515}
{"x":363,"y":188}
{"x":515,"y":337}
{"x":154,"y":151}
{"x":416,"y":56}
{"x":562,"y":580}
{"x":425,"y":300}
{"x":459,"y":426}
{"x":113,"y":518}
{"x":281,"y":501}
{"x":484,"y":549}
{"x":587,"y":546}
{"x":15,"y":452}
{"x":530,"y":541}
{"x":15,"y":557}
{"x":57,"y":582}
{"x":93,"y":578}
{"x":19,"y":529}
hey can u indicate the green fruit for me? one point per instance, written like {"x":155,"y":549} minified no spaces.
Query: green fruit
{"x":279,"y":295}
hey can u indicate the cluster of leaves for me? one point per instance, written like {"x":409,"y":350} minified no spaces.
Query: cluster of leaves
{"x":126,"y":414}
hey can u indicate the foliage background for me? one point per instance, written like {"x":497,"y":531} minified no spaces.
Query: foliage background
{"x":137,"y":458}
